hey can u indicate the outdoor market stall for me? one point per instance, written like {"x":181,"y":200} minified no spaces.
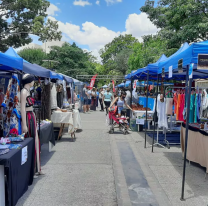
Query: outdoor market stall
{"x":16,"y":160}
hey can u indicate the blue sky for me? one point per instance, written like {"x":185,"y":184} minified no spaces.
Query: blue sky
{"x":94,"y":23}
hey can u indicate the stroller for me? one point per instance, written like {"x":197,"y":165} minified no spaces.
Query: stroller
{"x":117,"y":122}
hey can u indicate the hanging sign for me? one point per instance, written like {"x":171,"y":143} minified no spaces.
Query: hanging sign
{"x":24,"y":155}
{"x":170,"y":72}
{"x":202,"y":61}
{"x":140,"y":121}
{"x":163,"y":72}
{"x":180,"y":65}
{"x":93,"y":81}
{"x":191,"y":71}
{"x":113,"y":83}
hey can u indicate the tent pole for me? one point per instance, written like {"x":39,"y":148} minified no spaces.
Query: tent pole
{"x":186,"y":139}
{"x":131,"y":92}
{"x":154,"y":117}
{"x":145,"y":142}
{"x":186,"y":85}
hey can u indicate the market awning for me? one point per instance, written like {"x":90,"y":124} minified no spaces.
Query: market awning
{"x":13,"y":53}
{"x":10,"y":63}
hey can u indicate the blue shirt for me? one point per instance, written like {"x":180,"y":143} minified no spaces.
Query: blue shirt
{"x":107,"y":96}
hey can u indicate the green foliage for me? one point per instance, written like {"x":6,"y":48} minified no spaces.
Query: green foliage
{"x":112,"y":53}
{"x":180,"y":20}
{"x":25,"y":17}
{"x":148,"y":52}
{"x":72,"y":60}
{"x":34,"y":56}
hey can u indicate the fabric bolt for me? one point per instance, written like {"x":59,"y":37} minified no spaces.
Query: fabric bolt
{"x":169,"y":106}
{"x":11,"y":107}
{"x":161,"y":113}
{"x":182,"y":104}
{"x":32,"y":132}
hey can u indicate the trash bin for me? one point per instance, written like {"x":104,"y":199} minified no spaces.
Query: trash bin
{"x":133,"y":125}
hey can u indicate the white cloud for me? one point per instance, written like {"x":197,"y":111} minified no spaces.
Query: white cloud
{"x":97,"y":2}
{"x":81,"y":3}
{"x":52,"y":9}
{"x":113,"y":1}
{"x":95,"y":37}
{"x":139,"y":25}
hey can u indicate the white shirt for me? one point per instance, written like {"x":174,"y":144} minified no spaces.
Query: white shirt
{"x":89,"y":93}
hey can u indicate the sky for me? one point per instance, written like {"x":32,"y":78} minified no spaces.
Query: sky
{"x":93,"y":23}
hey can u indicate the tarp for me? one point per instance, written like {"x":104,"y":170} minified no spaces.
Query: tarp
{"x":9,"y":63}
{"x":164,"y":64}
{"x":54,"y":75}
{"x":13,"y":53}
{"x":67,"y":78}
{"x":36,"y":70}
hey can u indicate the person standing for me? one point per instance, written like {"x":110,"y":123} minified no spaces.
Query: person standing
{"x":128,"y":102}
{"x":93,"y":98}
{"x":107,"y":98}
{"x":85,"y":97}
{"x":101,"y":93}
{"x":89,"y":98}
{"x":97,"y":97}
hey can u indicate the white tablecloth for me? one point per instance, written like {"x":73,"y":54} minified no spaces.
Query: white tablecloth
{"x":72,"y":119}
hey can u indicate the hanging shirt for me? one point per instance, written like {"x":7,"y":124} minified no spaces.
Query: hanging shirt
{"x":195,"y":108}
{"x":169,"y":106}
{"x":191,"y":113}
{"x":175,"y":99}
{"x":178,"y":106}
{"x":161,"y":113}
{"x":182,"y":104}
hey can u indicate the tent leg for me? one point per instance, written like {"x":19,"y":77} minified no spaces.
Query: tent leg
{"x":145,"y":142}
{"x":186,"y":139}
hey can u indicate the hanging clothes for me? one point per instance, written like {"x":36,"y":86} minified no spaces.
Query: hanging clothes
{"x":182,"y":104}
{"x":161,"y":113}
{"x":169,"y":106}
{"x":178,"y":106}
{"x":60,"y":95}
{"x":191,"y":112}
{"x":53,"y":97}
{"x":46,"y":102}
{"x":175,"y":99}
{"x":11,"y":107}
{"x":199,"y":106}
{"x":195,"y":108}
{"x":32,"y":132}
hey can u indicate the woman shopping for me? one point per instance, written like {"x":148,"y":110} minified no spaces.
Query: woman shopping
{"x":107,"y":98}
{"x":120,"y":103}
{"x":93,"y":97}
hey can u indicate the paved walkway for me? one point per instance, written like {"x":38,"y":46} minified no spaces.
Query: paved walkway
{"x":99,"y":169}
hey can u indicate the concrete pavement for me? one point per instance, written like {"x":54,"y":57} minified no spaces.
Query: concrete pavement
{"x":102,"y":169}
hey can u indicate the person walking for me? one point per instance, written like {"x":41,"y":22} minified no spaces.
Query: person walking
{"x":107,"y":98}
{"x":85,"y":98}
{"x":93,"y":98}
{"x":97,"y":97}
{"x":101,"y":93}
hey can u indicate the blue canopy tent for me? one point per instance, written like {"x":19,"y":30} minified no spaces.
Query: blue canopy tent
{"x":54,"y":75}
{"x":13,"y":53}
{"x":67,"y":78}
{"x":190,"y":55}
{"x":10,"y":63}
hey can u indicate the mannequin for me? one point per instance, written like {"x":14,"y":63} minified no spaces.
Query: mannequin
{"x":29,"y":119}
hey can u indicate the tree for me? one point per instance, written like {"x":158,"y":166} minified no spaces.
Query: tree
{"x":180,"y":20}
{"x":34,"y":56}
{"x":148,"y":52}
{"x":72,"y":60}
{"x":110,"y":51}
{"x":19,"y":18}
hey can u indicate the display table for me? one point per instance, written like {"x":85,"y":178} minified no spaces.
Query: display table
{"x":47,"y":135}
{"x":18,"y":177}
{"x":197,"y":145}
{"x":63,"y":118}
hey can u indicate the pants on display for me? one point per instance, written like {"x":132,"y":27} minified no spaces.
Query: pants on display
{"x":32,"y":132}
{"x":107,"y":105}
{"x":101,"y":104}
